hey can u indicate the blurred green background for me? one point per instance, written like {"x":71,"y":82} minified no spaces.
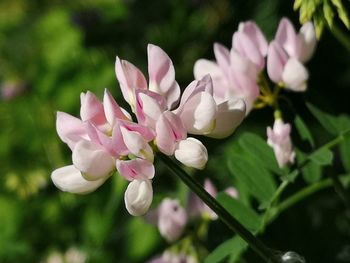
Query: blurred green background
{"x":51,"y":51}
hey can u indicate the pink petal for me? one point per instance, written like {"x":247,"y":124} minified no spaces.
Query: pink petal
{"x":254,"y":33}
{"x":308,"y":40}
{"x":92,"y":109}
{"x":112,"y":109}
{"x":222,"y":55}
{"x":145,"y":132}
{"x":287,"y":37}
{"x":276,"y":59}
{"x":198,"y":113}
{"x":130,"y":79}
{"x":92,"y":160}
{"x":246,"y":47}
{"x":150,"y":106}
{"x":135,"y":169}
{"x":70,"y":129}
{"x":162,"y":74}
{"x":169,"y":130}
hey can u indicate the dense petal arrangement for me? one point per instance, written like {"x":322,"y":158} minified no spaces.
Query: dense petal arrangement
{"x":105,"y":139}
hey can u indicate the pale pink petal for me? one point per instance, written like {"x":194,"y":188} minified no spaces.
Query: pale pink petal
{"x":254,"y":33}
{"x":172,"y":219}
{"x":112,"y":109}
{"x":162,"y":75}
{"x":287,"y":37}
{"x":136,"y":144}
{"x":198,"y":113}
{"x":70,"y":129}
{"x":92,"y":109}
{"x":308,"y":40}
{"x":276,"y":60}
{"x":69,"y":179}
{"x":92,"y":160}
{"x":169,"y":130}
{"x":246,"y":47}
{"x":231,"y":191}
{"x":150,"y":106}
{"x":222,"y":55}
{"x":147,"y":133}
{"x":203,"y":67}
{"x":130,"y":79}
{"x":135,"y":169}
{"x":205,"y":84}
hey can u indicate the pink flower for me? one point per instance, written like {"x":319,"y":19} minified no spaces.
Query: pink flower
{"x":279,"y":139}
{"x":104,"y":139}
{"x":234,"y":76}
{"x":287,"y":53}
{"x":170,"y":218}
{"x":161,"y":78}
{"x":250,"y":43}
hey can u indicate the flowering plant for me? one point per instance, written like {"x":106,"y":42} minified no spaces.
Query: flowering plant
{"x":107,"y":139}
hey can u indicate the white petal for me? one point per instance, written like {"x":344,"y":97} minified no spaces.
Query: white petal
{"x":230,"y":114}
{"x":70,"y":179}
{"x":295,"y":75}
{"x":191,"y":152}
{"x":138,"y":197}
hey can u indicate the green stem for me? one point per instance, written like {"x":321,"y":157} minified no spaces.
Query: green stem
{"x":340,"y":36}
{"x":260,"y":248}
{"x":341,"y":191}
{"x":300,"y":195}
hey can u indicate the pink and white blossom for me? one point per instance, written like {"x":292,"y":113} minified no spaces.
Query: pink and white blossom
{"x":279,"y":139}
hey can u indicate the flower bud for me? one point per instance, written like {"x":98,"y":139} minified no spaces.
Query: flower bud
{"x":138,"y":197}
{"x":191,"y":152}
{"x":172,"y":219}
{"x":279,"y":139}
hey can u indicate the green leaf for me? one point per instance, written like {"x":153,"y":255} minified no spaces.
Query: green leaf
{"x":312,"y":172}
{"x":260,"y":151}
{"x":257,"y":179}
{"x":234,"y":246}
{"x":328,"y":13}
{"x":245,"y":215}
{"x":322,"y":156}
{"x":333,"y":124}
{"x":303,"y":130}
{"x":344,"y":149}
{"x":328,"y":121}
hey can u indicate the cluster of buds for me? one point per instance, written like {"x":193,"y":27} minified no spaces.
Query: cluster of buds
{"x":105,"y":138}
{"x":237,"y":72}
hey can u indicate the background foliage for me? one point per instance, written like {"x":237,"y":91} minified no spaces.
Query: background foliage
{"x":51,"y":51}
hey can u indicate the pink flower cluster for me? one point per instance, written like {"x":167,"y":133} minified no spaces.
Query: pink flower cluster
{"x":235,"y":72}
{"x":105,"y":138}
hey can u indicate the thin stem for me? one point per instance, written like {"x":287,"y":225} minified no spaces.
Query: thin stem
{"x":300,"y":195}
{"x":340,"y":190}
{"x":260,"y":248}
